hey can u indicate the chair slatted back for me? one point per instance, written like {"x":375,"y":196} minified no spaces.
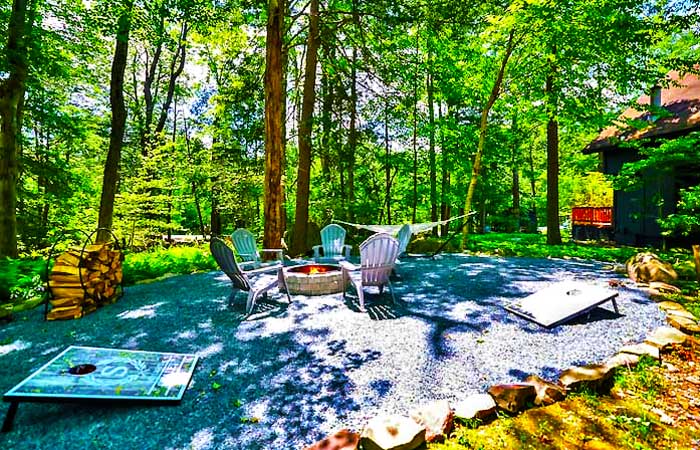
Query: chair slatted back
{"x":223,"y":255}
{"x":332,"y":240}
{"x":244,"y":243}
{"x":404,"y":236}
{"x":377,"y":258}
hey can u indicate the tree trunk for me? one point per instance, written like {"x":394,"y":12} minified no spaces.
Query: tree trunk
{"x":445,"y":181}
{"x":476,"y":168}
{"x":116,"y":135}
{"x":532,"y":215}
{"x":352,"y":139}
{"x":301,"y":217}
{"x":387,"y":167}
{"x":11,"y":102}
{"x":696,"y":257}
{"x":553,"y":232}
{"x":274,"y":141}
{"x":431,"y":140}
{"x":515,"y":187}
{"x":387,"y":151}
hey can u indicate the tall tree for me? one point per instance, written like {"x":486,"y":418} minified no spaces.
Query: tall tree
{"x":483,"y":123}
{"x":12,"y":91}
{"x":118,"y":124}
{"x":274,"y":141}
{"x":301,"y":217}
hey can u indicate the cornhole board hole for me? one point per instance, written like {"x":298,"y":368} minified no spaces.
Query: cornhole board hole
{"x":561,"y":302}
{"x":105,"y":375}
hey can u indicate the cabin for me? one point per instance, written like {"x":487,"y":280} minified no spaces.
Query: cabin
{"x":635,"y":214}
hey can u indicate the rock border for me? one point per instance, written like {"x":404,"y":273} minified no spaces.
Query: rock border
{"x":434,"y":421}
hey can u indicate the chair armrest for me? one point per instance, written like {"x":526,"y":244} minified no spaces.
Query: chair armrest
{"x":348,"y":249}
{"x":270,"y":268}
{"x":348,"y":266}
{"x":278,"y":251}
{"x":316,"y":250}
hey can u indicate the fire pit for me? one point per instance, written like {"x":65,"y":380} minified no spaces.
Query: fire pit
{"x":314,"y":279}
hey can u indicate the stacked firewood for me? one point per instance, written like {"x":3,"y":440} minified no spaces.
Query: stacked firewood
{"x":99,"y":267}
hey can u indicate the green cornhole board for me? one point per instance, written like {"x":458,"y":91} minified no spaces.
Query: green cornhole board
{"x":105,"y":375}
{"x":561,"y":302}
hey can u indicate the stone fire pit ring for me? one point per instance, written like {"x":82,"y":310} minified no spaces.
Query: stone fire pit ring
{"x":314,"y":279}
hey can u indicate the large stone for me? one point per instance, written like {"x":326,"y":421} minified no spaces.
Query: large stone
{"x":437,"y":418}
{"x":392,"y":433}
{"x":662,"y":337}
{"x":684,"y":324}
{"x":597,"y":377}
{"x":513,"y":398}
{"x":476,"y":406}
{"x":681,"y":313}
{"x":342,"y":440}
{"x":641,"y":349}
{"x":627,"y":360}
{"x":664,"y":287}
{"x":547,"y":392}
{"x":670,"y":306}
{"x":646,"y":267}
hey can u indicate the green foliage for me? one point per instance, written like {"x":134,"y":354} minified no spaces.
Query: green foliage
{"x":156,"y":263}
{"x":642,"y":379}
{"x":22,"y":281}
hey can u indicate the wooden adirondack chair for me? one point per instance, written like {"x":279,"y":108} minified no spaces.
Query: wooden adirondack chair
{"x":377,"y":258}
{"x":404,"y":237}
{"x":266,"y":279}
{"x":333,"y":244}
{"x":244,"y":243}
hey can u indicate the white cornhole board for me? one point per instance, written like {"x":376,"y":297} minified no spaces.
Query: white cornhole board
{"x":560,"y":302}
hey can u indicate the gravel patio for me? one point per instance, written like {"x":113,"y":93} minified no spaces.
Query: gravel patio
{"x":291,"y":374}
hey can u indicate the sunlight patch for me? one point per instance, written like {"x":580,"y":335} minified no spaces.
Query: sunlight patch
{"x":211,"y":350}
{"x":17,"y":345}
{"x":147,"y":311}
{"x":206,"y":325}
{"x":189,"y":334}
{"x":50,"y":350}
{"x":202,"y":439}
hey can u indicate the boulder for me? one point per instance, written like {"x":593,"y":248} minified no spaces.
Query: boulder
{"x":597,"y":377}
{"x":664,"y":287}
{"x":670,"y":306}
{"x":662,"y":337}
{"x":647,"y":267}
{"x":513,"y":398}
{"x":547,"y":392}
{"x":342,"y":440}
{"x":641,"y":349}
{"x":684,"y":324}
{"x":681,"y":313}
{"x":392,"y":433}
{"x":627,"y":360}
{"x":437,"y":418}
{"x":476,"y":406}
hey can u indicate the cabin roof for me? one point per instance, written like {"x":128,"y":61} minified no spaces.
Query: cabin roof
{"x":681,"y":99}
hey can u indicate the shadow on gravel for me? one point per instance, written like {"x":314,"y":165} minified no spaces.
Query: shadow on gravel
{"x":292,"y":373}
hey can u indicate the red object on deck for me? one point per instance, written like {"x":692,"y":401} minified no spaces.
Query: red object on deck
{"x":597,"y":216}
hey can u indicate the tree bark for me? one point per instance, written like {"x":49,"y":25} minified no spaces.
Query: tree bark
{"x":274,"y":141}
{"x":352,"y":138}
{"x":110,"y":178}
{"x":445,"y":181}
{"x":476,"y":168}
{"x":553,"y":231}
{"x":301,"y":217}
{"x":515,"y":187}
{"x":387,"y":152}
{"x":431,"y":141}
{"x":12,"y":91}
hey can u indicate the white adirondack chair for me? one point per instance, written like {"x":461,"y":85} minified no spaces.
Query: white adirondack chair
{"x":268,"y":277}
{"x":377,"y":258}
{"x":404,"y":237}
{"x":247,"y":250}
{"x":333,"y":244}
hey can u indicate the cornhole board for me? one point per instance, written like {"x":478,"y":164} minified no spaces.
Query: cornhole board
{"x":561,"y":302}
{"x":105,"y":375}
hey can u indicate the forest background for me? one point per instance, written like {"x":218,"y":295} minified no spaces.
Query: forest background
{"x":201,"y":116}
